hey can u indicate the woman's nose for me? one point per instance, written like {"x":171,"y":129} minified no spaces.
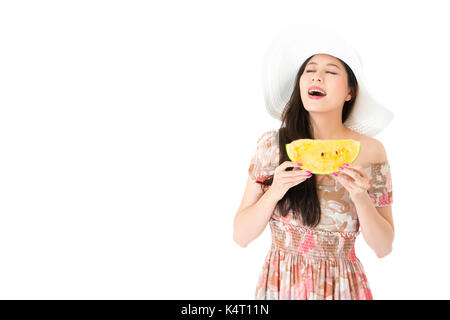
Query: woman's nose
{"x":316,"y":76}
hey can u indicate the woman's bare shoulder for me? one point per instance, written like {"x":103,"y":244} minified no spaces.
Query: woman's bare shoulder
{"x":372,"y":150}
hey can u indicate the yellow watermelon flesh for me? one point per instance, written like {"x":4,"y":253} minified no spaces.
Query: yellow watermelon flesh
{"x":323,"y":156}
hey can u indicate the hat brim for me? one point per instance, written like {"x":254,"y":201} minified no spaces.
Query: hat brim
{"x":283,"y":59}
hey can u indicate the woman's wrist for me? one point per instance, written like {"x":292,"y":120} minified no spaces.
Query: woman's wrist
{"x":271,"y":196}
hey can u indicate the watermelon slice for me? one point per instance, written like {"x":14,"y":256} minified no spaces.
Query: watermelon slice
{"x":323,"y":156}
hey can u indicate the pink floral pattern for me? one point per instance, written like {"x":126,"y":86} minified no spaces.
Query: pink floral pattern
{"x":320,"y":262}
{"x":306,"y":263}
{"x":381,"y":184}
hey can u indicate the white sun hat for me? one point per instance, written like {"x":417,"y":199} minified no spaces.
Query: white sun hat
{"x":291,"y":47}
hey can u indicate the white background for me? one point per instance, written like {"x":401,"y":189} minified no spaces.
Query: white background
{"x":126,"y":130}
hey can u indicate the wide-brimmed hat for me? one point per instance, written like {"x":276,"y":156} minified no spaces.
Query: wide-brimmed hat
{"x":291,"y":47}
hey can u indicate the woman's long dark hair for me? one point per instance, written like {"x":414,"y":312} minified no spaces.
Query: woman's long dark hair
{"x":302,"y":198}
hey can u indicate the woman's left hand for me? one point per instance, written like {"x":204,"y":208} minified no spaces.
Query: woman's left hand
{"x":354,"y":179}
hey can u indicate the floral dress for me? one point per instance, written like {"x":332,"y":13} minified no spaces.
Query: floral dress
{"x":316,"y":263}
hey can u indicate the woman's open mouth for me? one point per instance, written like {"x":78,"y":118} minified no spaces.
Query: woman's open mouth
{"x":312,"y":96}
{"x":316,"y":93}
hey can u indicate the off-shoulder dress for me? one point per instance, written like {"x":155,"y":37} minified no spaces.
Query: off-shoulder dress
{"x":315,"y":263}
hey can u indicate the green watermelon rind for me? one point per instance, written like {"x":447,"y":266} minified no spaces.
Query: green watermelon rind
{"x":324,"y":173}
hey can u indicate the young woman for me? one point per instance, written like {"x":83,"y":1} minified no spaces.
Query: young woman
{"x":315,"y":220}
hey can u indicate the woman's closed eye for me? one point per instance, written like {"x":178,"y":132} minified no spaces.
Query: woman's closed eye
{"x":326,"y":72}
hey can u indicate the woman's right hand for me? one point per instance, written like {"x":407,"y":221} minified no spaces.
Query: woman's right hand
{"x":284,"y":180}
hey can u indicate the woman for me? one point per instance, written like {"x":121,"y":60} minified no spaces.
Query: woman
{"x":315,"y":220}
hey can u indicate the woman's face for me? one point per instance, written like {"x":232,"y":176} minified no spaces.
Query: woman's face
{"x":327,"y":73}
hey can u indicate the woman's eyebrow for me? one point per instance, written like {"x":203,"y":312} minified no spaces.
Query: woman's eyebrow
{"x":328,"y":64}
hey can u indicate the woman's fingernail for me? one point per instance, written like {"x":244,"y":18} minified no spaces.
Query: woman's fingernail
{"x":309,"y":172}
{"x":335,"y":174}
{"x":340,"y":168}
{"x":346,"y":164}
{"x":299,"y":164}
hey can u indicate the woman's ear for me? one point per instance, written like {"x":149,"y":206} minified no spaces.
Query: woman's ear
{"x":349,"y":96}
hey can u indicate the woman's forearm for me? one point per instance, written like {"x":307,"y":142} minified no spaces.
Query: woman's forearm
{"x":251,"y":221}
